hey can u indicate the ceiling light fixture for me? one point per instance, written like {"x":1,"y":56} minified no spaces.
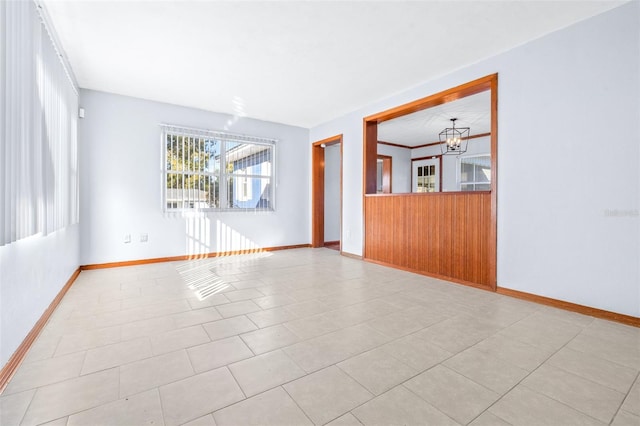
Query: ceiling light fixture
{"x":453,"y":140}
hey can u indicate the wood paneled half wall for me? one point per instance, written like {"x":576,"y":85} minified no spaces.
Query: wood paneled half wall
{"x":450,"y":235}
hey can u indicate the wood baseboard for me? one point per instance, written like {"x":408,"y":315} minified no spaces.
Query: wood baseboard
{"x":573,"y":307}
{"x":188,"y":257}
{"x":16,"y":359}
{"x":331,"y":243}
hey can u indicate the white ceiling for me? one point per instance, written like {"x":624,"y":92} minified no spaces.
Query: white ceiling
{"x":423,"y":127}
{"x":295,"y":62}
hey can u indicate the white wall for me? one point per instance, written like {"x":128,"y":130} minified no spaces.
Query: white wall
{"x":332,"y":193}
{"x":562,"y":171}
{"x":400,"y":167}
{"x":32,"y":273}
{"x":121,"y":184}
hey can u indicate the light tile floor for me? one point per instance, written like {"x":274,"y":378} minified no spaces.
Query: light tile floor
{"x":308,"y":336}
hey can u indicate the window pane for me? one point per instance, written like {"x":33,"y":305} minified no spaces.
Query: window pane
{"x":249,"y":192}
{"x":475,"y":173}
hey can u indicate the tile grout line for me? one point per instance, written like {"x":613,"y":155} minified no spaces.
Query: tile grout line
{"x":634,"y":383}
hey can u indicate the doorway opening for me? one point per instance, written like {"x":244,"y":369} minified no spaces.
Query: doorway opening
{"x":326,"y":198}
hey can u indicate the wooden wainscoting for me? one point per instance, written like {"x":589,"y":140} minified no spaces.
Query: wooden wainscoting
{"x":445,"y":235}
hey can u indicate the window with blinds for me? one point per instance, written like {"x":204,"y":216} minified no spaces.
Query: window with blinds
{"x":208,"y":170}
{"x":39,"y":192}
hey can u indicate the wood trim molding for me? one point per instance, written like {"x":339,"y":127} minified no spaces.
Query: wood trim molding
{"x":471,"y":88}
{"x":397,"y":145}
{"x":18,"y":356}
{"x":317,"y":187}
{"x":428,"y":157}
{"x":188,"y":257}
{"x":317,"y":194}
{"x":573,"y":307}
{"x":480,"y":135}
{"x":331,"y":243}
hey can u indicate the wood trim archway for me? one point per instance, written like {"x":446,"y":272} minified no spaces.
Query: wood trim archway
{"x":450,"y":235}
{"x":317,"y":189}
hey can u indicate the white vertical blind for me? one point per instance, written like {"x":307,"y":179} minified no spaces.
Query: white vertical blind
{"x":38,"y":128}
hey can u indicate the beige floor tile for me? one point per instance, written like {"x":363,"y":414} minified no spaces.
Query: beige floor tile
{"x":515,"y":352}
{"x":485,"y":342}
{"x":141,"y":409}
{"x":274,"y":301}
{"x":542,"y":331}
{"x":246,"y":294}
{"x":194,"y":317}
{"x":377,"y":370}
{"x":40,"y":373}
{"x":229,"y":327}
{"x":53,"y":401}
{"x":345,"y":420}
{"x":599,"y":370}
{"x":115,"y":355}
{"x":623,"y":353}
{"x":271,"y":317}
{"x":179,"y":339}
{"x":488,"y":419}
{"x":322,"y":351}
{"x":199,"y":395}
{"x":487,"y":370}
{"x":400,"y":406}
{"x":632,"y":401}
{"x":237,"y":308}
{"x":595,"y":400}
{"x":458,"y":333}
{"x":219,"y":353}
{"x":416,"y":353}
{"x":309,"y":308}
{"x":566,"y":316}
{"x":212,"y":300}
{"x":202,"y":421}
{"x":147,"y":328}
{"x":317,"y":325}
{"x":265,"y":371}
{"x":268,"y":339}
{"x":44,"y":347}
{"x":13,"y":407}
{"x":62,"y":421}
{"x":444,"y":389}
{"x":614,"y":332}
{"x":153,"y":372}
{"x":625,"y":418}
{"x":76,"y":342}
{"x":327,"y":394}
{"x":397,"y":325}
{"x":259,"y":410}
{"x":524,"y":407}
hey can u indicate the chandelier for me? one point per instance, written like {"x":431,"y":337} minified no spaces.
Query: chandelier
{"x":453,"y":140}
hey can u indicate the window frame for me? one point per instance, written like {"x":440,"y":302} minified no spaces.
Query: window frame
{"x":223,"y":176}
{"x":474,"y":182}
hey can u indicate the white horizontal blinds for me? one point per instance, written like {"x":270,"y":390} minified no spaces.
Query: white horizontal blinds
{"x":38,"y":133}
{"x":213,"y":170}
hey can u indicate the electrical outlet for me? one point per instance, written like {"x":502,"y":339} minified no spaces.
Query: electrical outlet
{"x":144,"y":237}
{"x":127,"y":238}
